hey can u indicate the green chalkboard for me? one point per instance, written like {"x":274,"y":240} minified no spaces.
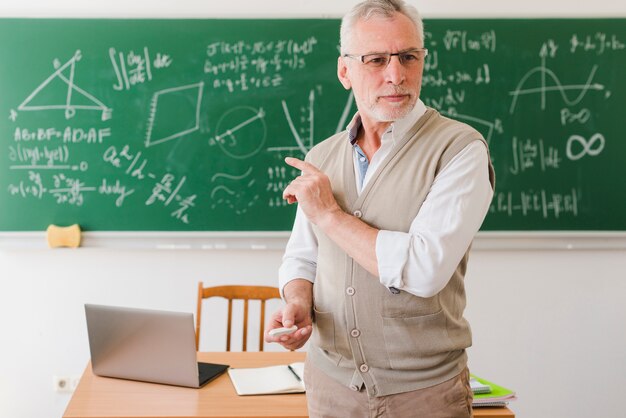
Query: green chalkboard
{"x":182,"y":125}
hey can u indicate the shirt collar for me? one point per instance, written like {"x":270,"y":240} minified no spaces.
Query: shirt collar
{"x":398,"y":128}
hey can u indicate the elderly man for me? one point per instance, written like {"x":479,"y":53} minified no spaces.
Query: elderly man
{"x":374,"y":269}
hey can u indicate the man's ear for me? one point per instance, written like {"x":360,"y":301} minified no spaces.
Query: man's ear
{"x":342,"y":74}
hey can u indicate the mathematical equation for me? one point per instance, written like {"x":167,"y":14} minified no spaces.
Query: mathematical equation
{"x":245,"y":65}
{"x":71,"y":190}
{"x":132,"y":68}
{"x":542,"y":202}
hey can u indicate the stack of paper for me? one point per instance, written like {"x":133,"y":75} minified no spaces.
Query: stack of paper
{"x":489,"y":394}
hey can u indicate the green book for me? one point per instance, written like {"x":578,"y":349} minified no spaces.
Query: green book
{"x":499,"y":395}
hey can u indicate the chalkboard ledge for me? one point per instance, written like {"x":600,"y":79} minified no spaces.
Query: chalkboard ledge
{"x":550,"y":240}
{"x":157,"y":240}
{"x":276,"y":241}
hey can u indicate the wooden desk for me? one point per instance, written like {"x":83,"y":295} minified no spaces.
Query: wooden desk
{"x":115,"y":398}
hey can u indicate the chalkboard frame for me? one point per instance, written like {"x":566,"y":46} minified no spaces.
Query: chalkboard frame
{"x":272,"y":241}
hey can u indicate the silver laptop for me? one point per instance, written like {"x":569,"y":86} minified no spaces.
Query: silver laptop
{"x":146,"y":345}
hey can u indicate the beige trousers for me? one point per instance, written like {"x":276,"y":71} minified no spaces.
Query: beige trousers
{"x":327,"y":398}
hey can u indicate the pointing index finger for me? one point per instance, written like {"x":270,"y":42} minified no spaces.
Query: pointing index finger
{"x":301,"y":165}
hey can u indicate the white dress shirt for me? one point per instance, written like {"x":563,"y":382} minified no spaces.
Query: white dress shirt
{"x":422,"y":260}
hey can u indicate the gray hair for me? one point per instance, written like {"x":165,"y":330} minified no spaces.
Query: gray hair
{"x":380,"y":8}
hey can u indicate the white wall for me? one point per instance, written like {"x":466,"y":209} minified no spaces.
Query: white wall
{"x":549,"y":324}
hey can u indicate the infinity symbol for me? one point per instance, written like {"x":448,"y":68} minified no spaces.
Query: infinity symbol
{"x":592,"y":147}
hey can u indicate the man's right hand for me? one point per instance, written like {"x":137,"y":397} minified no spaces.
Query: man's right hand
{"x":299,"y":296}
{"x":290,"y":314}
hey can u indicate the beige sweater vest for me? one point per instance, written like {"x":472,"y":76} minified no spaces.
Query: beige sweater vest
{"x":363,"y":333}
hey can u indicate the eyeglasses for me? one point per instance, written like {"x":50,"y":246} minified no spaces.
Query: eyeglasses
{"x":380,"y":60}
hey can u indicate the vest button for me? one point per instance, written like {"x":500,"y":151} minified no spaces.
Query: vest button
{"x":358,"y":213}
{"x":364,"y":368}
{"x":355,"y":333}
{"x":354,"y":388}
{"x":350,"y":291}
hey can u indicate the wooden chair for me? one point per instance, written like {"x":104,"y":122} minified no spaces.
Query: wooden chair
{"x":231,"y":293}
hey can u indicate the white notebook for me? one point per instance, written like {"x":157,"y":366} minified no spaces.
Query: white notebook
{"x":479,"y":387}
{"x":268,"y":380}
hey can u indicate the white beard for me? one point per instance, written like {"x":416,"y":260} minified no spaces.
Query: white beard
{"x":392,"y":112}
{"x":391,"y":115}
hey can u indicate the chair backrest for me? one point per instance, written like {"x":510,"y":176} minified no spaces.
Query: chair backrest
{"x":245,"y":293}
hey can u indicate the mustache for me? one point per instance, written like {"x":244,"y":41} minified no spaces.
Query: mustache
{"x":395,"y":91}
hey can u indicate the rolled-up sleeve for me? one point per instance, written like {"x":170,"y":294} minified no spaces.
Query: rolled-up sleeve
{"x":422,"y":260}
{"x":300,"y":258}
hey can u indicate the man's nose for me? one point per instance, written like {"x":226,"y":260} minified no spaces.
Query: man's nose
{"x":395,"y":71}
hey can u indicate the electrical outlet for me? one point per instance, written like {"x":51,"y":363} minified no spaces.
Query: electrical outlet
{"x":62,"y":384}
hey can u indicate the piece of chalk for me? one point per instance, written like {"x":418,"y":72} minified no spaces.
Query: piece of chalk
{"x":59,"y":236}
{"x":277,"y":332}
